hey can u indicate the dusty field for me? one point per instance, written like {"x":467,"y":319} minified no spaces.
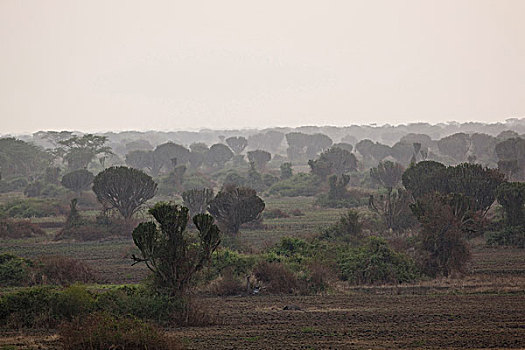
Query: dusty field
{"x":359,"y":321}
{"x":353,"y":321}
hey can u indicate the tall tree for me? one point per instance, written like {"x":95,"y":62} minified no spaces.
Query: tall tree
{"x":511,"y":196}
{"x":234,"y":206}
{"x":334,"y":161}
{"x":269,"y":141}
{"x":218,"y":155}
{"x":259,"y":158}
{"x":78,"y":151}
{"x":165,"y":153}
{"x":167,"y":249}
{"x":124,"y":189}
{"x":140,"y":159}
{"x":455,"y":146}
{"x":237,"y":144}
{"x":394,"y":207}
{"x":197,"y":200}
{"x":511,"y":158}
{"x":19,"y":158}
{"x":78,"y":180}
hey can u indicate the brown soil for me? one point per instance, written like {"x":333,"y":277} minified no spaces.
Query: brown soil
{"x":359,"y":321}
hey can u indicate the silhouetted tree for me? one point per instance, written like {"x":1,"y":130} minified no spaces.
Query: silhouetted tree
{"x":167,"y":249}
{"x":234,"y":206}
{"x":424,"y":178}
{"x":19,"y":158}
{"x":333,"y":161}
{"x":441,"y":246}
{"x":197,"y":200}
{"x":394,"y":206}
{"x":237,"y":144}
{"x":342,"y":145}
{"x":455,"y":146}
{"x":511,"y":196}
{"x":78,"y":151}
{"x":511,"y":158}
{"x":78,"y":180}
{"x":140,"y":160}
{"x":259,"y":158}
{"x":218,"y":155}
{"x":125,"y":189}
{"x":269,"y":141}
{"x":163,"y":155}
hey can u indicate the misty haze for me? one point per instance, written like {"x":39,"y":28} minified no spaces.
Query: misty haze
{"x":274,"y":175}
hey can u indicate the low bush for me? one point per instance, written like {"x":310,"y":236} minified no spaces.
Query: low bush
{"x":46,"y":307}
{"x":138,"y":302}
{"x":101,"y":331}
{"x":39,"y":189}
{"x":311,"y":263}
{"x":62,"y":270}
{"x":508,"y":236}
{"x":230,"y":260}
{"x":32,"y":207}
{"x":276,"y":278}
{"x":228,"y":284}
{"x":301,"y":184}
{"x":102,"y":227}
{"x":318,"y":277}
{"x":13,"y":185}
{"x":296,"y":212}
{"x":59,"y":270}
{"x":14,"y":271}
{"x":275,"y":214}
{"x":347,"y":229}
{"x":353,"y":198}
{"x":29,"y":308}
{"x":19,"y":229}
{"x":376,"y":263}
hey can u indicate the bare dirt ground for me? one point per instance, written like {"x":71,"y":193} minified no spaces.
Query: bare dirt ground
{"x":358,"y":321}
{"x":352,"y":321}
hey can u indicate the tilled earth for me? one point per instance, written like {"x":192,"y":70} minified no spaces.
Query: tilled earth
{"x":362,"y":322}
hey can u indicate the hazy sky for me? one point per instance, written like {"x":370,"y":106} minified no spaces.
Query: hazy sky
{"x":169,"y":65}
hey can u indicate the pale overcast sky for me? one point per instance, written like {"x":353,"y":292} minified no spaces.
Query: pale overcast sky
{"x":170,"y":65}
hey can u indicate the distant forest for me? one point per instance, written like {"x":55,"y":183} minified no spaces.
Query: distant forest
{"x":497,"y":145}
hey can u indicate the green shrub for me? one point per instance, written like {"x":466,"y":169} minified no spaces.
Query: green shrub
{"x":29,"y":308}
{"x":46,"y":307}
{"x":347,"y":229}
{"x":229,"y":260}
{"x":102,"y":331}
{"x":14,"y":271}
{"x":139,"y":302}
{"x":301,"y":184}
{"x":74,"y":301}
{"x":376,"y":263}
{"x":352,"y":199}
{"x":508,"y":236}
